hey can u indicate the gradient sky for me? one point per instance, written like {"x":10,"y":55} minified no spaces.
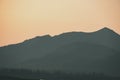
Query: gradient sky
{"x":24,"y":19}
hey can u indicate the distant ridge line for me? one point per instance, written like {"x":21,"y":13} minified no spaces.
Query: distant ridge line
{"x":49,"y":36}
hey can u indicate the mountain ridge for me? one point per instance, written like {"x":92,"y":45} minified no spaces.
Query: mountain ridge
{"x":105,"y":29}
{"x":71,"y":44}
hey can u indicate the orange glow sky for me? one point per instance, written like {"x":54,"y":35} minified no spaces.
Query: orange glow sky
{"x":24,"y":19}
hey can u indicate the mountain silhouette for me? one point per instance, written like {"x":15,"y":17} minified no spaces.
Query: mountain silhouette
{"x":79,"y":57}
{"x":73,"y":51}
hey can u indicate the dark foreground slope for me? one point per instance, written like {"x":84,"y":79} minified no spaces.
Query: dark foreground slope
{"x":15,"y":74}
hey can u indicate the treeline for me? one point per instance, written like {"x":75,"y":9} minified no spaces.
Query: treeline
{"x":25,"y":74}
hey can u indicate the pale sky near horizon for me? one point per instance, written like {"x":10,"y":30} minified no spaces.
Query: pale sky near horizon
{"x":24,"y":19}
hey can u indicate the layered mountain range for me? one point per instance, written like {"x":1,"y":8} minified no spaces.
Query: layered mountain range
{"x":73,"y":51}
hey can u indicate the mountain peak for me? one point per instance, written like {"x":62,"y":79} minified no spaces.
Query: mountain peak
{"x":38,"y":39}
{"x":44,"y":36}
{"x":106,"y":30}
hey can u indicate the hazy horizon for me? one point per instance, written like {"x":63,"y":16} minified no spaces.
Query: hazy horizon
{"x":25,"y":19}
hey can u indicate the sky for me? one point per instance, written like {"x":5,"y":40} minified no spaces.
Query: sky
{"x":25,"y":19}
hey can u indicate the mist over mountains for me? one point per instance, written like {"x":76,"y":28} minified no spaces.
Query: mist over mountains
{"x":73,"y":51}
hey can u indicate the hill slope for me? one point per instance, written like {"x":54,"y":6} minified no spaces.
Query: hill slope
{"x":79,"y":57}
{"x":75,"y":51}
